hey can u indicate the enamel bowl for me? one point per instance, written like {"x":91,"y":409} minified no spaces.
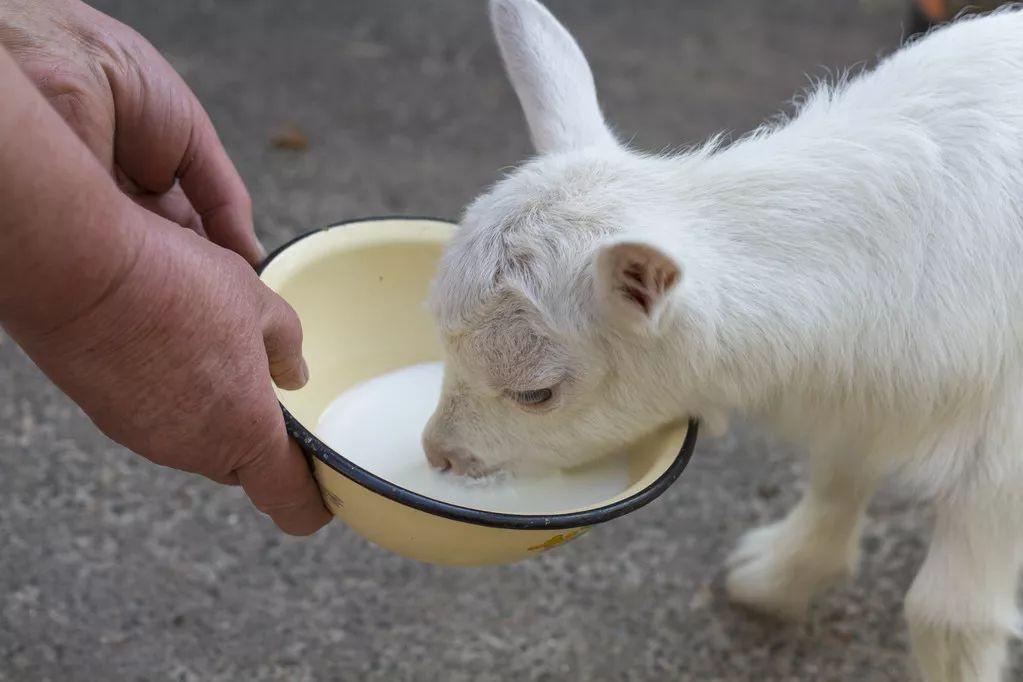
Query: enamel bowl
{"x":359,"y":288}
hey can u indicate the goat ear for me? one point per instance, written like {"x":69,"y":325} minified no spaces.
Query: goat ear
{"x":634,"y":281}
{"x":550,"y":76}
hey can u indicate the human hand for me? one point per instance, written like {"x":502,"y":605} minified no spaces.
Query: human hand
{"x":167,"y":341}
{"x":175,"y":363}
{"x":135,"y":114}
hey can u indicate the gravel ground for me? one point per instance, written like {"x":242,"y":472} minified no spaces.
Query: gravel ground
{"x":114,"y":569}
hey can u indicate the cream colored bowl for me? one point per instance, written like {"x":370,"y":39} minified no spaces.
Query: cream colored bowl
{"x":359,"y":289}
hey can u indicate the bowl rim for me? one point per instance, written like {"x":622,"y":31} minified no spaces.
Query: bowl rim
{"x":314,"y":447}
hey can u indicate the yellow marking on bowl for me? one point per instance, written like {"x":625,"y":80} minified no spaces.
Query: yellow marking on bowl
{"x":333,"y":500}
{"x":558,"y":540}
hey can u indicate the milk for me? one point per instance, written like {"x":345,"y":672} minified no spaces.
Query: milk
{"x":378,"y":425}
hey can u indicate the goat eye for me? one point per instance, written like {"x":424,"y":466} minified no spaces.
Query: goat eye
{"x":537,"y":397}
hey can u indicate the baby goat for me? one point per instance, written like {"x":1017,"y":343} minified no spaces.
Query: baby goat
{"x":852,"y":277}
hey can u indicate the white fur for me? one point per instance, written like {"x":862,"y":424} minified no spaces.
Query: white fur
{"x":853,"y":278}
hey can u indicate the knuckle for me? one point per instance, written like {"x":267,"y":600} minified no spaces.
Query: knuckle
{"x":239,"y":268}
{"x":292,"y":324}
{"x":285,"y":333}
{"x":119,"y":48}
{"x":281,"y":357}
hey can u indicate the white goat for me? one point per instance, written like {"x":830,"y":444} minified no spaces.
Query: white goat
{"x":853,"y":278}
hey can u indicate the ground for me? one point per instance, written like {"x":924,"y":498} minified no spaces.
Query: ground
{"x":114,"y":569}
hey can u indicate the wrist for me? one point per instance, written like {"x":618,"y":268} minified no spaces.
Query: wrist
{"x":47,"y":286}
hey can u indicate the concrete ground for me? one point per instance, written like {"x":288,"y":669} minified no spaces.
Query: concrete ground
{"x":114,"y":569}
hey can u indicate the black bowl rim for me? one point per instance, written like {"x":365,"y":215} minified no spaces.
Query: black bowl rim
{"x":314,"y":447}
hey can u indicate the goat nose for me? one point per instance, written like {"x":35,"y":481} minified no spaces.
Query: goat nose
{"x":437,"y":457}
{"x":444,"y":457}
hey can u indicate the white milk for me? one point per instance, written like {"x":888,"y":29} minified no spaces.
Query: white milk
{"x":378,"y":425}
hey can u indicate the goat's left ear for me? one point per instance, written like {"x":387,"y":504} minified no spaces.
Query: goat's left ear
{"x":634,"y":281}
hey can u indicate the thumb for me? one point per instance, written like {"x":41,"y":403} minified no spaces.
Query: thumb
{"x":282,"y":337}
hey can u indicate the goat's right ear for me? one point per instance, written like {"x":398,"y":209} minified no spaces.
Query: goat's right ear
{"x":634,"y":282}
{"x":550,"y":76}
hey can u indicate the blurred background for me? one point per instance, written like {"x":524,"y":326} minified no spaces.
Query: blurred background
{"x":114,"y":569}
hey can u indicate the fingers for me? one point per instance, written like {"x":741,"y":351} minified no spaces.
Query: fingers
{"x":278,"y":481}
{"x":163,"y":134}
{"x":174,"y":206}
{"x":217,"y":192}
{"x":282,"y":336}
